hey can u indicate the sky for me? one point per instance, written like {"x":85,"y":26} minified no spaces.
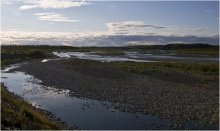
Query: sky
{"x":108,"y":23}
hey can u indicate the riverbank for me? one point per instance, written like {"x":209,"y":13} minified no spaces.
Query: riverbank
{"x":17,"y":114}
{"x":182,"y":97}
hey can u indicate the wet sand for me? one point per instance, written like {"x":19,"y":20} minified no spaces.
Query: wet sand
{"x":180,"y":97}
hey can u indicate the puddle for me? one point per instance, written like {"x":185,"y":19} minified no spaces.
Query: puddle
{"x":61,"y":54}
{"x":84,"y":113}
{"x":10,"y":67}
{"x":45,"y":60}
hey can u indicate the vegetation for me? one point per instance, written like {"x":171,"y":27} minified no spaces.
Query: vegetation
{"x":18,"y":53}
{"x":194,"y":68}
{"x":181,"y":49}
{"x":18,"y":114}
{"x":205,"y":68}
{"x":193,"y":49}
{"x":13,"y":54}
{"x":190,"y":46}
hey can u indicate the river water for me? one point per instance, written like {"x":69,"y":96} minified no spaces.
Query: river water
{"x":135,"y":57}
{"x":83,"y":113}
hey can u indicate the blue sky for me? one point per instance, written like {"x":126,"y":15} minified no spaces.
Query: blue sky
{"x":162,"y":18}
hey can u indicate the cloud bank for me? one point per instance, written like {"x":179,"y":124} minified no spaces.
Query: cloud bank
{"x":97,"y":39}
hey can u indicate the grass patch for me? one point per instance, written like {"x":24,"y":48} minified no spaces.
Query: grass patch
{"x":204,"y":69}
{"x":192,"y":52}
{"x":193,"y":68}
{"x":18,"y":114}
{"x":10,"y":56}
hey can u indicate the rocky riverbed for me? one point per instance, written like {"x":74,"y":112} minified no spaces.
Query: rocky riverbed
{"x":183,"y":98}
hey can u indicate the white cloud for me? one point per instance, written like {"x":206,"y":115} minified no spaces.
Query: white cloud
{"x":55,"y":4}
{"x":26,"y":7}
{"x":54,"y":17}
{"x":130,"y":26}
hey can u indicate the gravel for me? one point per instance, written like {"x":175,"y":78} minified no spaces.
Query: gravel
{"x":151,"y":94}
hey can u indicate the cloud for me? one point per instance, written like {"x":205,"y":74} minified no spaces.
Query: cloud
{"x":119,"y":34}
{"x":139,"y":27}
{"x":55,"y":17}
{"x":127,"y":26}
{"x":55,"y":4}
{"x":132,"y":24}
{"x":26,"y":7}
{"x":202,"y":29}
{"x":98,"y":39}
